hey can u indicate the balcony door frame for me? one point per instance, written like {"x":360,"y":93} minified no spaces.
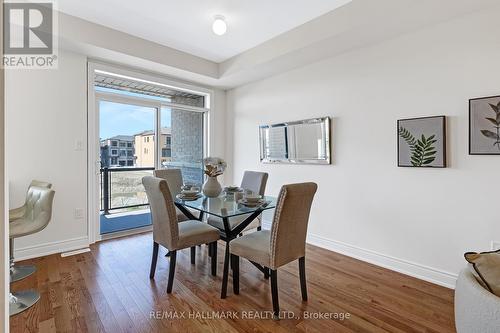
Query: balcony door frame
{"x":93,"y":128}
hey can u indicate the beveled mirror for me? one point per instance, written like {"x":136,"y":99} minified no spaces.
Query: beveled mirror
{"x":304,"y":141}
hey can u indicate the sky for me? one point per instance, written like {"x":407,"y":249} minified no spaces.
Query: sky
{"x":125,"y":119}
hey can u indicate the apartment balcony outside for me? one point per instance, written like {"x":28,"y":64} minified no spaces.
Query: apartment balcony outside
{"x":123,"y":202}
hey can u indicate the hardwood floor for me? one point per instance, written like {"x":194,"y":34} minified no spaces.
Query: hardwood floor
{"x":109,"y":290}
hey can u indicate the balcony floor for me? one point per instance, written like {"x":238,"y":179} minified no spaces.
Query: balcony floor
{"x":124,"y":221}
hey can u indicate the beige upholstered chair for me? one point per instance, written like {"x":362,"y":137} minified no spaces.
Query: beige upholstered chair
{"x":255,"y":182}
{"x":36,"y":216}
{"x":175,"y":182}
{"x":285,"y":242}
{"x":170,"y":233}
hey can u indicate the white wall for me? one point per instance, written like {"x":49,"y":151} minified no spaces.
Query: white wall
{"x":419,"y":221}
{"x":46,"y":112}
{"x":46,"y":116}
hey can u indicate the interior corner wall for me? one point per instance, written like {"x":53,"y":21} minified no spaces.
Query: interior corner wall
{"x":4,"y":230}
{"x":416,"y":221}
{"x":46,"y":112}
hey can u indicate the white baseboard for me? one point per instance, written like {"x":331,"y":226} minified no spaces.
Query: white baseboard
{"x":418,"y":271}
{"x":45,"y":249}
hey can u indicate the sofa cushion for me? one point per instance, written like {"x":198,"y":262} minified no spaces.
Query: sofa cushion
{"x":486,"y":266}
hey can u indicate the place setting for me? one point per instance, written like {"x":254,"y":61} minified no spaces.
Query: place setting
{"x":189,"y":193}
{"x":251,"y":200}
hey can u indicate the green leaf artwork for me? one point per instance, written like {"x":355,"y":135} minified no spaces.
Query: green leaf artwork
{"x":423,"y":151}
{"x":494,"y":135}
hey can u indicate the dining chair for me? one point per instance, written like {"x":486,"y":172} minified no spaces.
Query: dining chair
{"x":256,"y":182}
{"x":172,"y":234}
{"x":284,"y":243}
{"x":37,"y":215}
{"x":175,"y":182}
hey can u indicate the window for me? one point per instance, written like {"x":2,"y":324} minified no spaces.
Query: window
{"x":122,"y":163}
{"x":123,"y":153}
{"x":169,"y":140}
{"x":114,"y":160}
{"x":166,"y":152}
{"x":129,"y":144}
{"x":145,"y":150}
{"x":123,"y":144}
{"x":145,"y":139}
{"x":114,"y":152}
{"x":114,"y":143}
{"x":130,"y":163}
{"x":130,"y":153}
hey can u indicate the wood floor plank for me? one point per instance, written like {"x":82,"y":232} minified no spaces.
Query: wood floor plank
{"x":109,"y":290}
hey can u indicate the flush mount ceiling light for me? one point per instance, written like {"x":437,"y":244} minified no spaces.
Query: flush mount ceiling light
{"x":219,"y":27}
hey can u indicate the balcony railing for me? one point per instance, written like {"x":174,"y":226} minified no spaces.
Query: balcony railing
{"x":122,"y":188}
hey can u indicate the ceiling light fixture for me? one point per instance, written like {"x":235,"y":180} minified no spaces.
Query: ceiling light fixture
{"x":219,"y":27}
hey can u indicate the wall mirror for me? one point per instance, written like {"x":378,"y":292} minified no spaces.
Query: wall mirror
{"x":304,"y":141}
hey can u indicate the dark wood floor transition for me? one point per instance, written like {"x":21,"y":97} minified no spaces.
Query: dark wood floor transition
{"x":109,"y":290}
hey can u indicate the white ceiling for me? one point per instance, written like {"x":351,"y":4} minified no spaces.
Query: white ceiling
{"x":186,"y":25}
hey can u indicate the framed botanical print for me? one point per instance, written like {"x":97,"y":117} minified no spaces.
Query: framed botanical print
{"x":484,"y":126}
{"x":422,"y":142}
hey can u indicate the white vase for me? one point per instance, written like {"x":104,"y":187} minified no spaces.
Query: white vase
{"x":211,"y":187}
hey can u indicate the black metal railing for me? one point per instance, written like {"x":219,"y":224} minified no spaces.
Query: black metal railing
{"x":130,"y":187}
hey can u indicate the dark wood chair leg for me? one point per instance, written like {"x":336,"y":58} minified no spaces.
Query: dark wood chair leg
{"x":225,"y":274}
{"x":274,"y":293}
{"x":302,"y":273}
{"x":154,"y":259}
{"x":171,"y":271}
{"x":213,"y":260}
{"x":236,"y":274}
{"x":266,"y":273}
{"x":210,"y":247}
{"x":193,"y":255}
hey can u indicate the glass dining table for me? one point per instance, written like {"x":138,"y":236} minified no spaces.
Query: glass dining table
{"x":225,"y":207}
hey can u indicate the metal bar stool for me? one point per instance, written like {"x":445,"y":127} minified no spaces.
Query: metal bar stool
{"x":36,"y":216}
{"x":18,"y":272}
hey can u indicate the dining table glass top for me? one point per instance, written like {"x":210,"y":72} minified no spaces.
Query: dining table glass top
{"x":225,"y":205}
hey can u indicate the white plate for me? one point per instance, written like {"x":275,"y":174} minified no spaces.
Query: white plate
{"x":188,"y":198}
{"x":251,"y":204}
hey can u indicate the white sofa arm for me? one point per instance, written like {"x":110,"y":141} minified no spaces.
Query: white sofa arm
{"x":476,"y":309}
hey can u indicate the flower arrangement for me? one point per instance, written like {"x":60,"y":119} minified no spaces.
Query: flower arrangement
{"x":214,"y":166}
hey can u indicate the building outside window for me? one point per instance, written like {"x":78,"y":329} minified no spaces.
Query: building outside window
{"x":108,"y":150}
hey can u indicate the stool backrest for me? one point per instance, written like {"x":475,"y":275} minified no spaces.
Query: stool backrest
{"x":38,"y":212}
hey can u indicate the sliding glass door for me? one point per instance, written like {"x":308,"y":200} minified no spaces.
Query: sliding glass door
{"x":139,"y":125}
{"x":127,"y":152}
